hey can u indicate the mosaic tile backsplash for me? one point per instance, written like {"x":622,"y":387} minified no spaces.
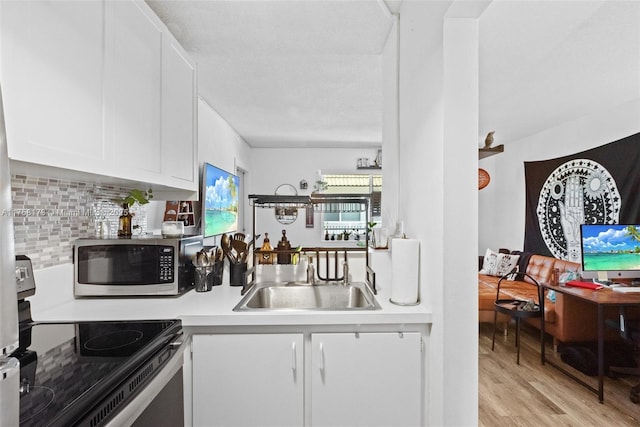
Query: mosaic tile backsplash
{"x":50,"y":214}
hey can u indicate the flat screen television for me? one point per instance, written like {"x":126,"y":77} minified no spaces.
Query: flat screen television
{"x":610,"y":249}
{"x":219,"y":201}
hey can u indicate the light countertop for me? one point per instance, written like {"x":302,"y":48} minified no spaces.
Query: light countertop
{"x":54,"y":301}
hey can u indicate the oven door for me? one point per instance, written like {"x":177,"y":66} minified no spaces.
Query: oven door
{"x":161,"y":402}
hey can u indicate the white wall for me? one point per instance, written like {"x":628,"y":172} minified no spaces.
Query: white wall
{"x":272,"y":167}
{"x":437,"y":200}
{"x":390,"y":129}
{"x":501,"y":205}
{"x":218,"y":144}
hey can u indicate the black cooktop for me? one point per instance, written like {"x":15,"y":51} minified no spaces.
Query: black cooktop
{"x":68,"y":370}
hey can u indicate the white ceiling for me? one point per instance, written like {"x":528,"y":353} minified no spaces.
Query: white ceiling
{"x":288,"y":73}
{"x":543,"y":63}
{"x":308,"y":72}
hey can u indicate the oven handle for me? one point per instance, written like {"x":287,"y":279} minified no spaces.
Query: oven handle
{"x":175,"y":345}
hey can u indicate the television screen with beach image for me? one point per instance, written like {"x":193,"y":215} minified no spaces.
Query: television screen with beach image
{"x":610,"y":247}
{"x":220,"y":201}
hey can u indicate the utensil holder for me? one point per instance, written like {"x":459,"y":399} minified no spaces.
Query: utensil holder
{"x":202,"y":282}
{"x":236,"y":273}
{"x":215,"y":277}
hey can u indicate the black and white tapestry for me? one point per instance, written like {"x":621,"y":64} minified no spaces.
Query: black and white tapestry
{"x":597,"y":186}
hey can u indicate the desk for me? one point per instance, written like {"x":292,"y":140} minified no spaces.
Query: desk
{"x":601,"y":298}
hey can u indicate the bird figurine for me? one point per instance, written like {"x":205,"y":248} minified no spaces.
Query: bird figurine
{"x":489,"y":139}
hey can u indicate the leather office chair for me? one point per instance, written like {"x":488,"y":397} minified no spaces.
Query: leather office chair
{"x":518,"y":309}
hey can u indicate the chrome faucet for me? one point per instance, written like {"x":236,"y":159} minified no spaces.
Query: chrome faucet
{"x":345,"y":273}
{"x":311,"y":274}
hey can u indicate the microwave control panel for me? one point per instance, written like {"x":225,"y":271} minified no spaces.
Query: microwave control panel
{"x":167,"y":258}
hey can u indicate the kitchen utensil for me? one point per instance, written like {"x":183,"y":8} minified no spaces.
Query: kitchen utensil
{"x":240,"y":247}
{"x":249,"y":247}
{"x":201,"y":259}
{"x":225,"y":243}
{"x":239,"y":236}
{"x":251,"y":243}
{"x":213,"y":255}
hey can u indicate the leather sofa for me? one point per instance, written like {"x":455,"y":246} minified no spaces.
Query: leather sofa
{"x":568,"y":319}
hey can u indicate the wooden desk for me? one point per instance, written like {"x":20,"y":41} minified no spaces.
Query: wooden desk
{"x":601,"y":298}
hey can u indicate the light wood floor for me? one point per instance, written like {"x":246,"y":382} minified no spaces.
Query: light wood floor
{"x":530,"y":394}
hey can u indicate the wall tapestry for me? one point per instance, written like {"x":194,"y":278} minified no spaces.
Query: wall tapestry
{"x":597,"y":186}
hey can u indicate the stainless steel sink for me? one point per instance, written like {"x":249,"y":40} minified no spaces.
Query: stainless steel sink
{"x":297,"y":296}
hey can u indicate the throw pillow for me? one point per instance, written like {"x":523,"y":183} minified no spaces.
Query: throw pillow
{"x":497,"y":264}
{"x":490,"y":263}
{"x":506,"y":263}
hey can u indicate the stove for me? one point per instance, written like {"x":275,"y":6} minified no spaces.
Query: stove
{"x":83,"y":373}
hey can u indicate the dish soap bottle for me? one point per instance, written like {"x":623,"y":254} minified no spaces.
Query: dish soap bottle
{"x":124,"y":221}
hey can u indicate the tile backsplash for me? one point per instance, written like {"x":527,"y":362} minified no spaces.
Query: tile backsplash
{"x":50,"y":214}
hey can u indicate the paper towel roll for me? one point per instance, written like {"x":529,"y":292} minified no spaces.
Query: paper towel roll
{"x":404,"y":271}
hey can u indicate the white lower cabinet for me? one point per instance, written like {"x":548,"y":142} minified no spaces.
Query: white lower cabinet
{"x":248,"y":380}
{"x":366,"y":379}
{"x":319,"y":379}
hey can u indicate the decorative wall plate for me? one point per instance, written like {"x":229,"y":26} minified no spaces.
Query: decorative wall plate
{"x":483,"y":178}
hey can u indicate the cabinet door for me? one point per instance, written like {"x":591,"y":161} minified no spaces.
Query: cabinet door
{"x":248,"y":380}
{"x":52,"y":71}
{"x":369,"y":379}
{"x":179,"y":149}
{"x":133,"y":81}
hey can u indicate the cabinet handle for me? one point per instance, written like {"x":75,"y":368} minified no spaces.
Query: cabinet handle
{"x":322,"y":363}
{"x":294,"y":359}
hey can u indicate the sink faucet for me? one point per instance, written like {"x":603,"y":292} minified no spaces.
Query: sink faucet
{"x":311,"y":274}
{"x":345,"y":273}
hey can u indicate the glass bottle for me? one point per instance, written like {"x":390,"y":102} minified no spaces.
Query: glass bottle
{"x":267,"y":257}
{"x":284,"y":245}
{"x":124,"y":221}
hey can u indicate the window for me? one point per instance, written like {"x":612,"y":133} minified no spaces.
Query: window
{"x":346,"y":222}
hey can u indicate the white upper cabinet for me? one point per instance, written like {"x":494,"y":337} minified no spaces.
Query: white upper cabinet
{"x":99,"y":87}
{"x":133,"y":87}
{"x":52,"y":74}
{"x":179,"y":105}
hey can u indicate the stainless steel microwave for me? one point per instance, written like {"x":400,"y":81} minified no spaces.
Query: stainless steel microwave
{"x":134,"y":267}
